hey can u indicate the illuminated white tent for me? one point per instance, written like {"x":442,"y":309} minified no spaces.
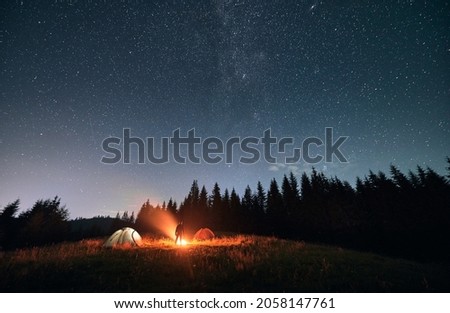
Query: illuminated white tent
{"x":124,"y":236}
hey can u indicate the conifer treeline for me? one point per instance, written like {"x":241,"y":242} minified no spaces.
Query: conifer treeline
{"x":400,"y":214}
{"x":45,"y":223}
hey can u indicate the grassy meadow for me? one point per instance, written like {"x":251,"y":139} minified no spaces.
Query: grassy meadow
{"x":229,"y":264}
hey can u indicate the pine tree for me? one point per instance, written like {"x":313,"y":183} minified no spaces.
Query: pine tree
{"x":203,"y":206}
{"x":259,"y":208}
{"x":306,"y":189}
{"x":10,"y":210}
{"x":172,"y":207}
{"x":144,"y":217}
{"x":448,"y":167}
{"x":46,"y":222}
{"x":236,"y":216}
{"x":247,"y":210}
{"x":400,"y":179}
{"x":9,"y":226}
{"x":275,"y":209}
{"x":261,"y":199}
{"x":287,"y":194}
{"x":295,"y":196}
{"x":189,"y":211}
{"x":225,"y":210}
{"x":293,"y":207}
{"x":194,"y":194}
{"x":247,"y":199}
{"x":216,"y":206}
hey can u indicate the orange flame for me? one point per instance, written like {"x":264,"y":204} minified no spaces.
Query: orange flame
{"x":182,"y":243}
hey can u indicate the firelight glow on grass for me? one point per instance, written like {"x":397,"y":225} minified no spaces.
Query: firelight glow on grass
{"x":239,"y":263}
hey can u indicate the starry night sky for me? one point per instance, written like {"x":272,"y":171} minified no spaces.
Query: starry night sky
{"x":76,"y":72}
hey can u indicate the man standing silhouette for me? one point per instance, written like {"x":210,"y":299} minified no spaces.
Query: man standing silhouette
{"x":179,"y":232}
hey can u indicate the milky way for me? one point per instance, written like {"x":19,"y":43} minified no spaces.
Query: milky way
{"x":76,"y":72}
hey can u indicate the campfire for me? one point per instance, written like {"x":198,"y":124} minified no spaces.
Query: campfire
{"x":182,"y":242}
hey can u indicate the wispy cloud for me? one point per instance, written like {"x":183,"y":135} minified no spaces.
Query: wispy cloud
{"x":274,"y":168}
{"x":282,"y":167}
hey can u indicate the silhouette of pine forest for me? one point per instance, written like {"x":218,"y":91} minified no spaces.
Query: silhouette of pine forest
{"x":400,"y":214}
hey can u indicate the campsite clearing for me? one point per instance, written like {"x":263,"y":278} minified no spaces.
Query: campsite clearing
{"x":230,"y":264}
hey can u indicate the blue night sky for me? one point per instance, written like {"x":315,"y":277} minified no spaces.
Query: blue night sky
{"x":76,"y":72}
